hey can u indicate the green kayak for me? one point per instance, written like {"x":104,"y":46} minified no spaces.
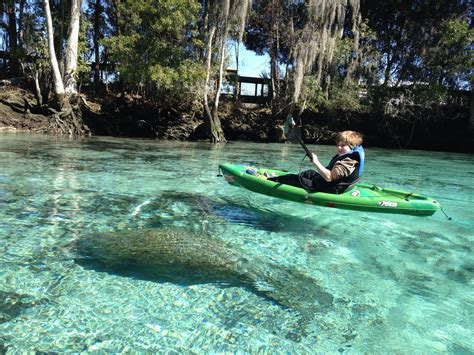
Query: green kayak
{"x":360,"y":197}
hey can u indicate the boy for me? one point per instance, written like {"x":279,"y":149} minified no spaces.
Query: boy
{"x":344,"y":169}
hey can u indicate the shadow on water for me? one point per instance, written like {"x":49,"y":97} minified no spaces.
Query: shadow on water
{"x":171,"y":206}
{"x":12,"y":305}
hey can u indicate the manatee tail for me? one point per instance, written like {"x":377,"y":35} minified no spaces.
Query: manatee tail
{"x":292,"y":289}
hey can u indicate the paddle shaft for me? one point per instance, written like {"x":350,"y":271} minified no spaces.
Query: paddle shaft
{"x":307,"y":151}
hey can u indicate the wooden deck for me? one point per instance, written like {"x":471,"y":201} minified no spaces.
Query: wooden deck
{"x":247,"y":89}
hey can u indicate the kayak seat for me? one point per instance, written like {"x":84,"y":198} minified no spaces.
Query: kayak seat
{"x":343,"y":186}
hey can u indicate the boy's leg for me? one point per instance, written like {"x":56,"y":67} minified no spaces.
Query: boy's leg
{"x":288,"y":179}
{"x":303,"y":179}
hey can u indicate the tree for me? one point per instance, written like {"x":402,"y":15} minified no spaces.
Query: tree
{"x":58,"y":81}
{"x":68,"y":120}
{"x":97,"y":19}
{"x":219,"y":15}
{"x":12,"y":38}
{"x":271,"y":30}
{"x":412,"y":35}
{"x":304,"y":35}
{"x":154,"y":49}
{"x":450,"y":60}
{"x":425,"y":50}
{"x":316,"y":43}
{"x":102,"y":18}
{"x":71,"y":49}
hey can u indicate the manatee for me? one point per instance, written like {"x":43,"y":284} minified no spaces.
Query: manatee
{"x":189,"y":258}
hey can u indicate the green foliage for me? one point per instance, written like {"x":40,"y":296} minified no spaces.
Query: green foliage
{"x":441,"y":64}
{"x":343,"y":49}
{"x":35,"y":45}
{"x":344,"y":98}
{"x":83,"y":67}
{"x":421,"y":42}
{"x":155,"y":48}
{"x":182,"y":81}
{"x":338,"y":97}
{"x":450,"y":62}
{"x":404,"y":102}
{"x":312,"y":94}
{"x":369,"y":54}
{"x":410,"y":52}
{"x":429,"y":95}
{"x":341,"y":94}
{"x":163,"y":77}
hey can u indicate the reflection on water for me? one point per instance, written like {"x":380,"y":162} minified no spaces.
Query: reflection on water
{"x":331,"y":280}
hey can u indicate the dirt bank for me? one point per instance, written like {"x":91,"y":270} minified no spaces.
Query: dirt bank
{"x":125,"y":116}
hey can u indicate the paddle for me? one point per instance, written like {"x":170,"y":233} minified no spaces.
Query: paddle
{"x":307,"y":151}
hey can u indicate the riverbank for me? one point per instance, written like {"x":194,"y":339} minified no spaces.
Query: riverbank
{"x":126,"y":116}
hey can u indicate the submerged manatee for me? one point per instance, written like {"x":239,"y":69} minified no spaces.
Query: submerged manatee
{"x":182,"y":257}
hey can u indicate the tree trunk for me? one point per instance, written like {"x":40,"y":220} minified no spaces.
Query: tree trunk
{"x":290,"y":39}
{"x":37,"y":92}
{"x":274,"y":65}
{"x":71,"y":49}
{"x":58,"y":82}
{"x":354,"y":63}
{"x":97,"y":16}
{"x":212,"y":122}
{"x":21,"y":23}
{"x":103,"y":78}
{"x":118,"y":31}
{"x":217,"y":134}
{"x":66,"y":121}
{"x":118,"y":16}
{"x":12,"y":39}
{"x":471,"y":119}
{"x":59,"y":9}
{"x":210,"y":125}
{"x":236,"y":82}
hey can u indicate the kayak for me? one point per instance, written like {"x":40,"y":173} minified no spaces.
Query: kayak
{"x":360,"y":196}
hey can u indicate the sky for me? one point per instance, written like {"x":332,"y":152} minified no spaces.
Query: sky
{"x":250,"y":64}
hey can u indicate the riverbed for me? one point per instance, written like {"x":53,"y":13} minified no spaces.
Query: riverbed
{"x":396,"y":283}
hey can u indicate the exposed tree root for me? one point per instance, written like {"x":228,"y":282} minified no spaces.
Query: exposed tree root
{"x":65,"y":122}
{"x":68,"y":122}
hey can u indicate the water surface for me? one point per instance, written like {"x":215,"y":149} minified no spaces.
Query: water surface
{"x":397,"y":283}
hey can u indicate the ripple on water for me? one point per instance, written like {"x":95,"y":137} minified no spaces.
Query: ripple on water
{"x":382,"y":283}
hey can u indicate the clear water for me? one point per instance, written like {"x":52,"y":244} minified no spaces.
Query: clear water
{"x":398,"y":283}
